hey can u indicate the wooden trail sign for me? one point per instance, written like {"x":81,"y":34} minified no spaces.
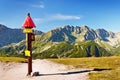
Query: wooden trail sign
{"x":27,"y":29}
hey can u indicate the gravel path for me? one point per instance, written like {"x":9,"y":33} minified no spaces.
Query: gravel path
{"x":48,"y":71}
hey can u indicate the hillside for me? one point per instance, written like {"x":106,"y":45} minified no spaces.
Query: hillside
{"x":65,"y":50}
{"x":8,"y":35}
{"x":116,"y":51}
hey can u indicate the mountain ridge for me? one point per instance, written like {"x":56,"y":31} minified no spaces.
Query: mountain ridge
{"x":70,"y":41}
{"x":83,"y":33}
{"x":8,"y":35}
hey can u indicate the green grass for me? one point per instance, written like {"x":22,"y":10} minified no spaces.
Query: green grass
{"x":13,"y":59}
{"x":106,"y":75}
{"x":112,"y":63}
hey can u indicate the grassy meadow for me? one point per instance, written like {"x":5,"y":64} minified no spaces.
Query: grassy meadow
{"x":12,"y":59}
{"x":112,"y":63}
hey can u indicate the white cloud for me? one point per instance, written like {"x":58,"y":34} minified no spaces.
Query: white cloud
{"x":38,"y":6}
{"x":64,"y":17}
{"x":57,"y":17}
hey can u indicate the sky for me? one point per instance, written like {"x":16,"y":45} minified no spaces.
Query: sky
{"x":49,"y":14}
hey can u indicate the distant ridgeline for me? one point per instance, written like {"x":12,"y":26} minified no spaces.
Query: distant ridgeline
{"x":63,"y":42}
{"x":8,"y":36}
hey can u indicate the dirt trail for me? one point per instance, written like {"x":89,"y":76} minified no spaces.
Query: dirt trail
{"x":48,"y":71}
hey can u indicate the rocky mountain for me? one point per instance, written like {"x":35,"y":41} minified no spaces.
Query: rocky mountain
{"x":81,"y":33}
{"x":70,"y":41}
{"x":8,"y":36}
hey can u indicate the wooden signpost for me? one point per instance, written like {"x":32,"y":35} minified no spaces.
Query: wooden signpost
{"x":27,"y":29}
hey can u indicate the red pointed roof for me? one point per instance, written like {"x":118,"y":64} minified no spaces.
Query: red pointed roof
{"x":28,"y":23}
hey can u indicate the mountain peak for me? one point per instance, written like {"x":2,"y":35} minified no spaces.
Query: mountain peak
{"x":103,"y":33}
{"x":79,"y":33}
{"x":8,"y":35}
{"x":3,"y":27}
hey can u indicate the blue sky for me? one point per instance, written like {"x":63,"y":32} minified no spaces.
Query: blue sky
{"x":49,"y":14}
